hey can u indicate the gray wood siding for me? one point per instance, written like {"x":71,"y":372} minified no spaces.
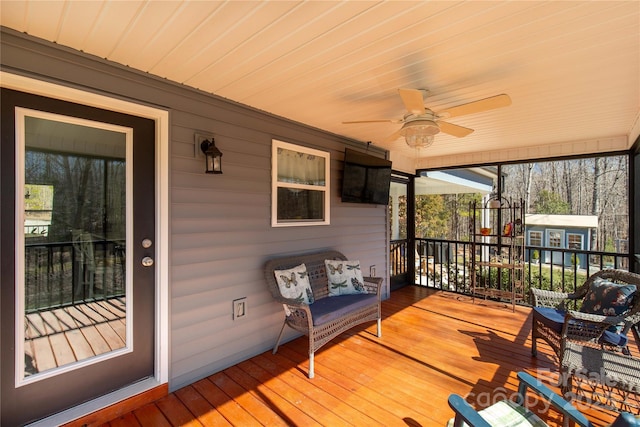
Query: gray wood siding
{"x":220,"y":225}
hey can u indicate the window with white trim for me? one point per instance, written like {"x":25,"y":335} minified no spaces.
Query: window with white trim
{"x":535,"y":238}
{"x":299,"y":185}
{"x":574,"y":241}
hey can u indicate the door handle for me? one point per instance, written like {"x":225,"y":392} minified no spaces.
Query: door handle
{"x":147,"y":261}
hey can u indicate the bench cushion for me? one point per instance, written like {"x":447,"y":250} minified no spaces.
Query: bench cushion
{"x":554,"y":319}
{"x":329,"y":309}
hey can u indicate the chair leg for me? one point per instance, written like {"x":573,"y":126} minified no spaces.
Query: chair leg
{"x":279,"y":337}
{"x":311,"y":372}
{"x":379,"y":328}
{"x":566,"y":386}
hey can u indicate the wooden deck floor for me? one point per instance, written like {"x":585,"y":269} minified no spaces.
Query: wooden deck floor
{"x":433,"y":344}
{"x":65,"y":335}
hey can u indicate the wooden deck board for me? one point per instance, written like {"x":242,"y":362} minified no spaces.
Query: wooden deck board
{"x":433,"y":344}
{"x":229,"y":408}
{"x":176,"y":412}
{"x":64,"y":335}
{"x":201,"y":409}
{"x":246,"y":400}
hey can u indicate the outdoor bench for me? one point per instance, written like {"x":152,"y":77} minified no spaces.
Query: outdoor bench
{"x":329,"y":306}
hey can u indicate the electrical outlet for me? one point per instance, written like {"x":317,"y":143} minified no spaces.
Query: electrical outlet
{"x":239,"y":308}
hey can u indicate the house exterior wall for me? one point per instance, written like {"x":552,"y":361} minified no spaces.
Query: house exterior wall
{"x":220,"y":227}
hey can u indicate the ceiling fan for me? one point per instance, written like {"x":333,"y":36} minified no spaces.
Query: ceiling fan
{"x":420,"y":124}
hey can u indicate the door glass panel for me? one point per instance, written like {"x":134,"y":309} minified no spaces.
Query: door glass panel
{"x":555,"y":239}
{"x":398,"y":226}
{"x":74,"y":242}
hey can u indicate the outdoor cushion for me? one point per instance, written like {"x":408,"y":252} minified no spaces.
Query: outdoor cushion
{"x":554,"y":319}
{"x":607,"y":298}
{"x":345,"y":277}
{"x":508,"y":413}
{"x":294,"y":284}
{"x":328,"y":309}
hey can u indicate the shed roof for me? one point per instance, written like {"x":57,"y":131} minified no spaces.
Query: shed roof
{"x":573,"y":221}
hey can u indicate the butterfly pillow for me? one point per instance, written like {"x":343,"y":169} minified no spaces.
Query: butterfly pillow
{"x":294,"y":284}
{"x":345,"y":277}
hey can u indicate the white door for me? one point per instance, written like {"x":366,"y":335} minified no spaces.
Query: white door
{"x":555,"y":239}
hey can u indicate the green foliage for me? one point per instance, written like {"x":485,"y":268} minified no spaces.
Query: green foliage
{"x":489,"y":277}
{"x":541,"y":278}
{"x":549,"y":202}
{"x":444,"y":216}
{"x":431,"y":216}
{"x":609,"y":247}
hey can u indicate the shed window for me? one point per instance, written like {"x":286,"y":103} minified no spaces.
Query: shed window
{"x":574,"y":241}
{"x":555,"y":238}
{"x":535,"y":238}
{"x":299,"y":185}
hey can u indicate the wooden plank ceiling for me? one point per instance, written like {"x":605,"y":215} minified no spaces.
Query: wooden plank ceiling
{"x":572,"y":68}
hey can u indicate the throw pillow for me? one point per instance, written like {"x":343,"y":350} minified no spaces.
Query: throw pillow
{"x":607,"y":298}
{"x":294,"y":284}
{"x":345,"y":277}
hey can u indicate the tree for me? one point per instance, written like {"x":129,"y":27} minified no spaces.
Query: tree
{"x":431,"y":216}
{"x":548,"y":202}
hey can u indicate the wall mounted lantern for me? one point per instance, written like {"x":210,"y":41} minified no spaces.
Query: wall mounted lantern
{"x":213,"y":156}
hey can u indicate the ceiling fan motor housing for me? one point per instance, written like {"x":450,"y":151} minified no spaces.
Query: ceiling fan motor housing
{"x":421,"y":125}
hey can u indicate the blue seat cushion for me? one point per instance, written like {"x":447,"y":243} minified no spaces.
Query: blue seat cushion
{"x":331,"y":308}
{"x":554,"y":319}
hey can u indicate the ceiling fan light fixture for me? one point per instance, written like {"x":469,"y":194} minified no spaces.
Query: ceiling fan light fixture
{"x":419,"y":133}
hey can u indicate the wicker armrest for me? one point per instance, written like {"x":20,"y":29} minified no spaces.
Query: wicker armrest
{"x":553,"y":299}
{"x":594,"y":318}
{"x":373,"y":285}
{"x":581,"y":326}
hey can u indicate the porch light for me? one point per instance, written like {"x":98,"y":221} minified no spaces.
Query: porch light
{"x":213,"y":156}
{"x":419,"y":133}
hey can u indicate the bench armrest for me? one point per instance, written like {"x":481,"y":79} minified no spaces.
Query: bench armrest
{"x":373,"y":285}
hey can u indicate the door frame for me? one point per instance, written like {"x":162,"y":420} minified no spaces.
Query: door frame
{"x":162,"y":316}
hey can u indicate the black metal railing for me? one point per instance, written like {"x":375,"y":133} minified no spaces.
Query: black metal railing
{"x":61,"y":274}
{"x":445,"y":264}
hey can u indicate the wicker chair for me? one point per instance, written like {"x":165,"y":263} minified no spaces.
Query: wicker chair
{"x":333,"y":315}
{"x":594,"y":374}
{"x":551,"y":308}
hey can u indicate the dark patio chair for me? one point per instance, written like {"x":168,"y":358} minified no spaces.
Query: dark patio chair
{"x":515,"y":413}
{"x":609,"y":299}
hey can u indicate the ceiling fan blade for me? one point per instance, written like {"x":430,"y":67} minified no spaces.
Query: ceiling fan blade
{"x":372,"y":121}
{"x":394,"y":136}
{"x":455,"y":130}
{"x":412,"y":99}
{"x":477,"y":106}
